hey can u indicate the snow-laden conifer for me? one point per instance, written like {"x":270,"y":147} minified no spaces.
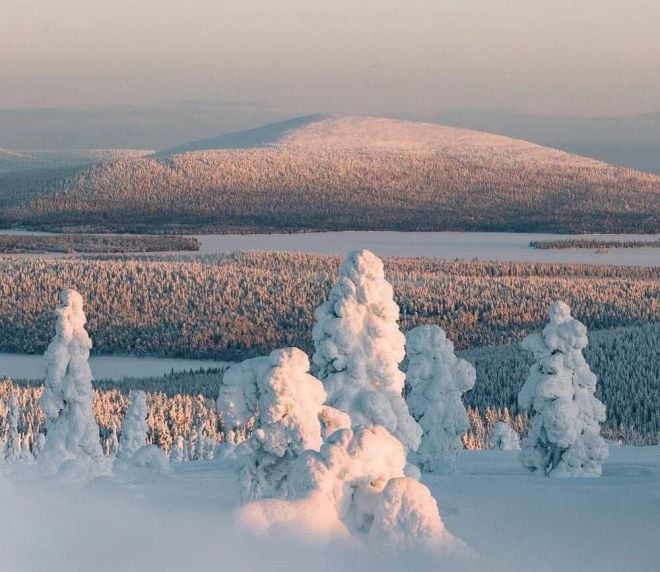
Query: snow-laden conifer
{"x":504,"y":437}
{"x":281,"y":401}
{"x":564,"y":437}
{"x":72,"y":446}
{"x":358,"y":349}
{"x":134,"y":426}
{"x":13,"y":446}
{"x":178,"y":450}
{"x":436,"y":381}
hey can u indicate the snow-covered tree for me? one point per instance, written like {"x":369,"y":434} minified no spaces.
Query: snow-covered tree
{"x":177,"y":452}
{"x":564,"y":437}
{"x":360,"y":473}
{"x":358,"y":349}
{"x":112,"y":442}
{"x":282,"y":402}
{"x":436,"y":380}
{"x":504,"y":437}
{"x":14,"y":446}
{"x":39,"y":443}
{"x":133,"y":449}
{"x":72,"y":445}
{"x":134,"y":427}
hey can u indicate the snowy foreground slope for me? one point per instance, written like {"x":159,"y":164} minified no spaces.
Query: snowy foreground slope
{"x":185,"y":520}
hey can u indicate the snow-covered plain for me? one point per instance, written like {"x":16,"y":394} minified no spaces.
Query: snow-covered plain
{"x":495,"y":246}
{"x":185,"y":520}
{"x":24,"y":366}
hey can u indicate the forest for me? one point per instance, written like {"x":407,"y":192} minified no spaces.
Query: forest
{"x":95,"y":243}
{"x":244,"y":304}
{"x":183,"y":403}
{"x":333,"y":188}
{"x":592,"y":243}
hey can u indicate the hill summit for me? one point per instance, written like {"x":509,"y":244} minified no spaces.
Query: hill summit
{"x":352,"y":173}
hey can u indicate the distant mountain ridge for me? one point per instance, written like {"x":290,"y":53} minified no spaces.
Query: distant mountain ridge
{"x":324,"y":172}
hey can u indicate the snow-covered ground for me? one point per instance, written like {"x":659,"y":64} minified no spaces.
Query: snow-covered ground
{"x":24,"y":366}
{"x":184,"y":520}
{"x":496,"y":246}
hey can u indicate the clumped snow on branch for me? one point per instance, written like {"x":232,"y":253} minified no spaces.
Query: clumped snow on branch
{"x":282,"y":401}
{"x":358,"y":349}
{"x":436,"y":380}
{"x":564,"y":438}
{"x":72,"y":449}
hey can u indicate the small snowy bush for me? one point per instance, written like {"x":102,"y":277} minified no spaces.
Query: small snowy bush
{"x":436,"y":380}
{"x":504,"y":437}
{"x":564,"y":438}
{"x":72,"y":447}
{"x":358,"y":349}
{"x":283,"y":402}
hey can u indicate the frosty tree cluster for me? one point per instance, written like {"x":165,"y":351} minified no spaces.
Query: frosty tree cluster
{"x":345,"y":437}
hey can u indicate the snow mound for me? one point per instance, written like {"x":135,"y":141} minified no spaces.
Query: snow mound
{"x":406,"y":518}
{"x":354,"y":485}
{"x":358,"y":349}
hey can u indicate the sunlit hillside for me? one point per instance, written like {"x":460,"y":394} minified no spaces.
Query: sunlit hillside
{"x":352,"y":173}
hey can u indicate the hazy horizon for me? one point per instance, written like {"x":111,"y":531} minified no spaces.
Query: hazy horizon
{"x":577,"y":75}
{"x":586,"y":58}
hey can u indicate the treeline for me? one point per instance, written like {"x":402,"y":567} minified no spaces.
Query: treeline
{"x":244,"y":304}
{"x":457,"y":187}
{"x":591,"y":243}
{"x":95,"y":243}
{"x":192,"y":417}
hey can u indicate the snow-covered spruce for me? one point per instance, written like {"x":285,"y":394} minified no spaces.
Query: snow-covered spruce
{"x":564,"y":437}
{"x":358,"y":349}
{"x":281,"y":401}
{"x":178,"y":450}
{"x":133,"y":449}
{"x":436,"y":379}
{"x":13,"y":446}
{"x":72,"y":448}
{"x":504,"y":437}
{"x":134,"y":427}
{"x":354,"y":487}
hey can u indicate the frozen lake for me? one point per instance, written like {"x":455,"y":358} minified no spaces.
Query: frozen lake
{"x":497,"y":246}
{"x":23,"y":366}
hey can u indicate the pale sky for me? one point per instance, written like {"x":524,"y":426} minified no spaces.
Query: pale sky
{"x":567,"y":57}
